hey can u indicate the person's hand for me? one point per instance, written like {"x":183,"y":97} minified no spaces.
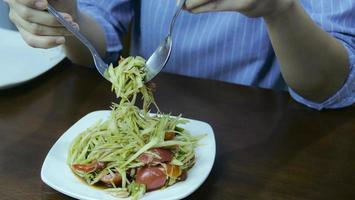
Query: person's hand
{"x":250,"y":8}
{"x":39,"y":28}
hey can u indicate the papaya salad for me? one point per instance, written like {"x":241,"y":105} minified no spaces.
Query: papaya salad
{"x":133,"y":151}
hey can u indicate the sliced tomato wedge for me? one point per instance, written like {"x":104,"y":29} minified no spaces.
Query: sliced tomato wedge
{"x":163,"y":156}
{"x":152,"y":177}
{"x":173,"y":171}
{"x":169,"y":135}
{"x":90,"y":167}
{"x":183,"y":176}
{"x":112,"y":179}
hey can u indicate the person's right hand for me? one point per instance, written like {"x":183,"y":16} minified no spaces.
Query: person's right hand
{"x":39,"y":28}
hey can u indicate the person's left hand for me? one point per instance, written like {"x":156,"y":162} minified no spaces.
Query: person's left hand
{"x":250,"y":8}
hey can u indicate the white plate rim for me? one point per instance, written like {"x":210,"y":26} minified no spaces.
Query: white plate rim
{"x":78,"y":196}
{"x":58,"y":51}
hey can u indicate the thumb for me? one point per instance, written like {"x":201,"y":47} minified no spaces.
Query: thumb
{"x":179,"y":2}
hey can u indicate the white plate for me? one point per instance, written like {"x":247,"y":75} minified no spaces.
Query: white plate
{"x":57,"y":174}
{"x":20,"y":63}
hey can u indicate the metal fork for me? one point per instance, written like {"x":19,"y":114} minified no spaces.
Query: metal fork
{"x":101,"y":66}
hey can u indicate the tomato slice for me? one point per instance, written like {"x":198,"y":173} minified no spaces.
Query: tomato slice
{"x":169,"y":135}
{"x":112,"y":179}
{"x":90,"y":167}
{"x":164,"y":156}
{"x":183,"y":176}
{"x":152,"y":177}
{"x":173,"y":171}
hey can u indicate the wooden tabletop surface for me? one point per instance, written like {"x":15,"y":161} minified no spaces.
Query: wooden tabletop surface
{"x":268,"y":146}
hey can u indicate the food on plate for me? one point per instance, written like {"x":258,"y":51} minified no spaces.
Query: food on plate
{"x":133,"y":151}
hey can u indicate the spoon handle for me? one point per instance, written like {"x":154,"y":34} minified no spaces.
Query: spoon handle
{"x":181,"y":3}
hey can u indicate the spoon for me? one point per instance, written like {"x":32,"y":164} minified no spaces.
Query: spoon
{"x":161,"y":55}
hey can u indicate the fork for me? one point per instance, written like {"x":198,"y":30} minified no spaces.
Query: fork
{"x":100,"y":65}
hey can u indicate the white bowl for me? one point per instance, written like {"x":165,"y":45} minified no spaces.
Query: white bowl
{"x":57,"y":174}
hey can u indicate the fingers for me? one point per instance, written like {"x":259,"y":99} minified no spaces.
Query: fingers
{"x":198,"y":6}
{"x":193,"y":4}
{"x":37,"y":16}
{"x":37,"y":29}
{"x":207,"y":7}
{"x":37,"y":4}
{"x":44,"y":42}
{"x":250,"y":8}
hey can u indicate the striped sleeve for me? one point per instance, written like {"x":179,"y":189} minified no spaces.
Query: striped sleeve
{"x":338,"y":19}
{"x":114,"y":18}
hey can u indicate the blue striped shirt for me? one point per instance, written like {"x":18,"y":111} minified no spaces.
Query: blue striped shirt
{"x":224,"y":46}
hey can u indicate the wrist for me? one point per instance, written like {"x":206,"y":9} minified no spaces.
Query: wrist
{"x":280,"y":11}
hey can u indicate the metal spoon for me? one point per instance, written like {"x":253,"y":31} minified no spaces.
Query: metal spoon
{"x":101,"y":66}
{"x":161,"y":55}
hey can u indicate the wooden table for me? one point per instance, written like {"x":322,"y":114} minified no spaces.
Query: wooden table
{"x":268,"y":146}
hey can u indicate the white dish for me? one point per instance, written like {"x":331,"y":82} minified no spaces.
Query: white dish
{"x":20,"y":63}
{"x":57,"y":174}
